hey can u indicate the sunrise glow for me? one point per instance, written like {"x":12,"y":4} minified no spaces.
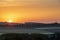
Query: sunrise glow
{"x":45,"y":11}
{"x":9,"y":0}
{"x":9,"y":21}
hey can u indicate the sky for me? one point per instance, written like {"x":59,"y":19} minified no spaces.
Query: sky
{"x":45,"y":11}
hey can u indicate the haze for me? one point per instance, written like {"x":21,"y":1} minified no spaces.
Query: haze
{"x":45,"y":11}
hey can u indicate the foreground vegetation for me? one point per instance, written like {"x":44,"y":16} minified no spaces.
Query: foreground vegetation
{"x":33,"y":36}
{"x":18,"y":36}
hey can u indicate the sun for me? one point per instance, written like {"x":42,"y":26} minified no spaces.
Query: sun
{"x":9,"y":21}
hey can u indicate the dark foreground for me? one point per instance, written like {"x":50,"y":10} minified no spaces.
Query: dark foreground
{"x":26,"y":36}
{"x":23,"y":36}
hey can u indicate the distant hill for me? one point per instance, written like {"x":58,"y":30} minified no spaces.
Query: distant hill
{"x":28,"y":24}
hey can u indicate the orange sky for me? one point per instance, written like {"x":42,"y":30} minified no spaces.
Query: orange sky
{"x":30,"y":10}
